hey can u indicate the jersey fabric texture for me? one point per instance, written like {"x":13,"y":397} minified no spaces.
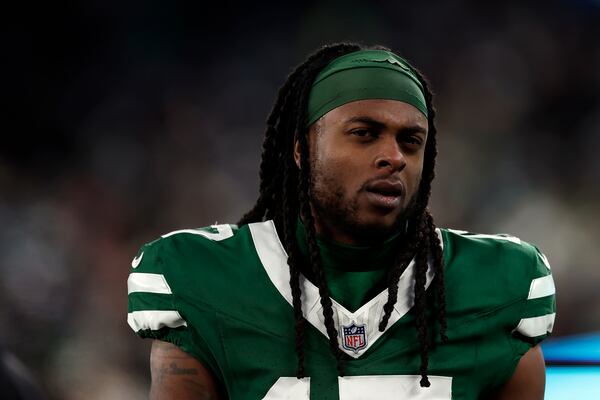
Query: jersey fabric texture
{"x":222,"y":295}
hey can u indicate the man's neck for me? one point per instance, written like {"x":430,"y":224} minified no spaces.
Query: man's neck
{"x":337,"y":235}
{"x":349,"y":257}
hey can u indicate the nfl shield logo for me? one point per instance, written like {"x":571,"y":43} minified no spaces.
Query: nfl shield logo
{"x":354,"y":337}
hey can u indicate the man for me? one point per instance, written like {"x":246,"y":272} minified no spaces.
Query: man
{"x":337,"y":284}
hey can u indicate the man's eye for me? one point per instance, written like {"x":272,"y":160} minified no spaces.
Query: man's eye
{"x":362,"y":133}
{"x":413,"y":140}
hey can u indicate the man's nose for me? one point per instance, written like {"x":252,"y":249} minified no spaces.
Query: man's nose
{"x":390,"y":157}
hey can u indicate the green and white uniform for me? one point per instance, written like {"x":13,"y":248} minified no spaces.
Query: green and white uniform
{"x":222,"y":295}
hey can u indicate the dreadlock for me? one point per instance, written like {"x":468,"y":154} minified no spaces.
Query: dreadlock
{"x":285,"y":193}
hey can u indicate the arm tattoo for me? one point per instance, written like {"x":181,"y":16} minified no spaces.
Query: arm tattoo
{"x":175,"y":370}
{"x":177,"y":375}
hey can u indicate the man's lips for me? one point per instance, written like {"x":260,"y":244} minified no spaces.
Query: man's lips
{"x":386,"y":194}
{"x":386,"y":187}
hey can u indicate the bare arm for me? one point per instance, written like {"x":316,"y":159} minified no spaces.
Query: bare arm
{"x":528,"y":380}
{"x":177,"y":375}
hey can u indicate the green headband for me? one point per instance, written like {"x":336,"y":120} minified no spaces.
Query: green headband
{"x":361,"y":75}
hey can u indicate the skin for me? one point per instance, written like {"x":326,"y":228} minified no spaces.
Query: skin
{"x":528,"y":381}
{"x":351,"y":148}
{"x":178,"y":375}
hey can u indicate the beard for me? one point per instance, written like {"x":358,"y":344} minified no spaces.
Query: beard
{"x":333,"y":208}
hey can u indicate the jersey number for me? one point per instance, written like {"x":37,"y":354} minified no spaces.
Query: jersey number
{"x":383,"y":387}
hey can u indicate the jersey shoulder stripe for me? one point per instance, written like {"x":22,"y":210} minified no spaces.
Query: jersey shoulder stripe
{"x":162,"y":274}
{"x":147,"y":283}
{"x":500,"y":270}
{"x":164,"y":266}
{"x":154,"y":319}
{"x":536,"y":326}
{"x":214,"y":232}
{"x":541,"y":287}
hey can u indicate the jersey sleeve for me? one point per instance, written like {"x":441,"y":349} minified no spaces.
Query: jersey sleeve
{"x":538,"y":307}
{"x":153,"y":310}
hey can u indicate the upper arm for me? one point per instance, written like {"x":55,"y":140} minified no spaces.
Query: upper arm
{"x":188,"y":370}
{"x":177,"y":375}
{"x":529,"y":379}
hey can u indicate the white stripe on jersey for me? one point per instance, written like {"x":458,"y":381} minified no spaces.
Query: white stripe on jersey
{"x":541,"y":287}
{"x":223,"y":232}
{"x":536,"y":326}
{"x":147,"y":283}
{"x":154,"y":319}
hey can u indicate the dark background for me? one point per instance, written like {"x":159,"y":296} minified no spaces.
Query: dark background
{"x":122,"y":121}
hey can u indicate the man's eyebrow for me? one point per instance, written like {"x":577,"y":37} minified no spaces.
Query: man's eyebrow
{"x":411,"y":129}
{"x":366,"y":120}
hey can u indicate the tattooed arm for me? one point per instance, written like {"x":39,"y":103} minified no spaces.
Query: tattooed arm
{"x":177,"y":375}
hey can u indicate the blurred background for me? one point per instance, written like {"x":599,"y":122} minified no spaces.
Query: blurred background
{"x":122,"y":121}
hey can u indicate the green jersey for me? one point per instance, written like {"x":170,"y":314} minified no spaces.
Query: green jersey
{"x":222,"y":295}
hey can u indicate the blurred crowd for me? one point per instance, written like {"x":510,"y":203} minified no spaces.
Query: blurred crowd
{"x":127,"y":121}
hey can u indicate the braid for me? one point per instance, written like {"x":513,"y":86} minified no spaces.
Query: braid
{"x":420,"y":239}
{"x":306,"y":213}
{"x":403,"y":258}
{"x":439,"y":281}
{"x":315,"y":257}
{"x":420,"y":279}
{"x":278,"y":122}
{"x":285,"y":194}
{"x":290,"y":202}
{"x":284,"y":191}
{"x":434,"y":240}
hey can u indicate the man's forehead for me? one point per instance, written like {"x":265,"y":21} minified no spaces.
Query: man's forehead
{"x":378,"y":110}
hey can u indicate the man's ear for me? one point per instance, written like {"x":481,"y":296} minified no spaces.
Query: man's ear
{"x":313,"y":131}
{"x":297,"y":152}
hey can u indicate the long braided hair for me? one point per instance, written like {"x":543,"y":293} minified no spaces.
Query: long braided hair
{"x":285,"y":194}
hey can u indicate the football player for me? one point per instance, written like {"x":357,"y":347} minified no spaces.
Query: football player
{"x":337,"y":284}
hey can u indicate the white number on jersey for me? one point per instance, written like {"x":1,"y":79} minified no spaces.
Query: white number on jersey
{"x":382,"y":387}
